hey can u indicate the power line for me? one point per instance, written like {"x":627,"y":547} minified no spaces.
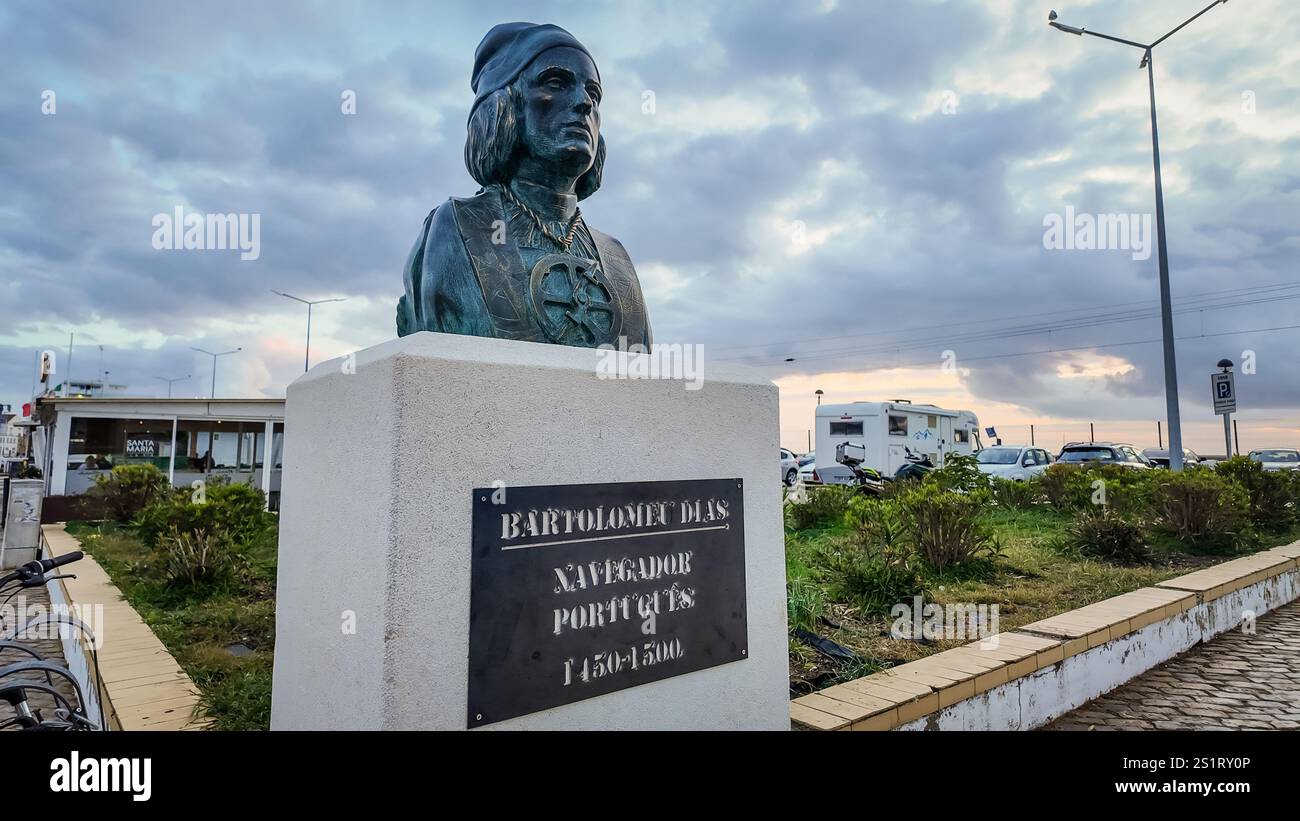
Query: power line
{"x":929,"y":362}
{"x":1184,"y":301}
{"x":1085,"y":321}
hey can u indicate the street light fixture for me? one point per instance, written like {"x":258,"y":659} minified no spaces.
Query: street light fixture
{"x":309,"y":303}
{"x":174,"y":379}
{"x":1166,"y":310}
{"x":214,"y":365}
{"x":819,"y":396}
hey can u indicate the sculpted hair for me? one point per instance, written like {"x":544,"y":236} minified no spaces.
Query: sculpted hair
{"x":493,"y":143}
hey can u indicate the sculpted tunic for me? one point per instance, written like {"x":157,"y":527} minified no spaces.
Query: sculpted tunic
{"x":481,"y":267}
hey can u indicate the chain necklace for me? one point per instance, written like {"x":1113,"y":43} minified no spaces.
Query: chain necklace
{"x":565,"y":241}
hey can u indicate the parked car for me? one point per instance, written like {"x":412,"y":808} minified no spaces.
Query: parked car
{"x":1160,"y":457}
{"x":1277,"y":458}
{"x":1015,"y":462}
{"x":808,"y":458}
{"x":789,"y":467}
{"x":808,"y":472}
{"x":1111,"y":453}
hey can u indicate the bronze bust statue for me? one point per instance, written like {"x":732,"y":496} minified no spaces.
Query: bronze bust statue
{"x":517,"y":260}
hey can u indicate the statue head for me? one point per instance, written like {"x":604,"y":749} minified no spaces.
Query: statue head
{"x":537,"y":99}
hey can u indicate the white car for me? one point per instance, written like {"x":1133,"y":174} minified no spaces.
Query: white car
{"x":1012,"y":462}
{"x":1277,"y":458}
{"x":789,"y":467}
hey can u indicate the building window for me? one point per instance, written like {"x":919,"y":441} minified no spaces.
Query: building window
{"x":897,"y":425}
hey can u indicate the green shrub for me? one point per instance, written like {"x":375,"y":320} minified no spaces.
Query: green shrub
{"x":1055,"y":484}
{"x":1271,"y":495}
{"x":805,"y":603}
{"x":234,"y":508}
{"x":197,"y":558}
{"x":944,"y":526}
{"x":1104,"y":534}
{"x":1199,"y":506}
{"x":823,"y":507}
{"x":1126,"y":491}
{"x":1071,"y":488}
{"x":1014,"y":495}
{"x":127,"y":489}
{"x":959,"y":472}
{"x":873,"y":579}
{"x":877,"y":522}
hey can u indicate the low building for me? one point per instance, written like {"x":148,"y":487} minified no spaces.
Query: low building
{"x":81,"y":438}
{"x":10,"y":436}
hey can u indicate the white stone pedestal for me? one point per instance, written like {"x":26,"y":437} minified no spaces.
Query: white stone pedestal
{"x":381,"y":453}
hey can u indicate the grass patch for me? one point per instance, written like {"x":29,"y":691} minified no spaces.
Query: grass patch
{"x":1030,"y":577}
{"x":197,"y":624}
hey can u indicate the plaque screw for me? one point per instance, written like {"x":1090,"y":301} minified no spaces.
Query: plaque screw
{"x":482,"y":498}
{"x":742,"y":652}
{"x":478,"y":717}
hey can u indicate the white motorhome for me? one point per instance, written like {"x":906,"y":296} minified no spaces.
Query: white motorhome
{"x":888,"y":430}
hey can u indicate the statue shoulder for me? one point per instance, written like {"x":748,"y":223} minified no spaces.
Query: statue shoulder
{"x":441,"y":290}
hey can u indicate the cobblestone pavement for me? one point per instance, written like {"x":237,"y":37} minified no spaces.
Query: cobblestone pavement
{"x":1235,"y":681}
{"x":51,"y":649}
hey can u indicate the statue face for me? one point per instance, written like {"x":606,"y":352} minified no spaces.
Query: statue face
{"x":561,"y":113}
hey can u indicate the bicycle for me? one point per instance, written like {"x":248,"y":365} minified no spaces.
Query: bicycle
{"x":16,"y":693}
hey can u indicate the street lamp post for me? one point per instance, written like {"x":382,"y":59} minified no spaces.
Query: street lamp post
{"x":819,"y":396}
{"x":1166,"y":309}
{"x":214,"y":365}
{"x":179,"y":379}
{"x":309,"y":303}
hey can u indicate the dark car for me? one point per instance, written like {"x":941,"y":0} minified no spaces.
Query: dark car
{"x":1110,"y":453}
{"x":1160,"y":458}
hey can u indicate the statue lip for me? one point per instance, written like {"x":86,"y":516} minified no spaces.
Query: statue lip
{"x":586,"y":129}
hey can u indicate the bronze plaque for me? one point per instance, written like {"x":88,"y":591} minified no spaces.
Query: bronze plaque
{"x":582,"y":590}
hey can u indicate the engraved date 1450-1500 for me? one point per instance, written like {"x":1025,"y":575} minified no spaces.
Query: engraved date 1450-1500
{"x":599,"y":665}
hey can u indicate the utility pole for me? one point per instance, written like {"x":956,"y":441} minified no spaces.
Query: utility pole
{"x":1166,"y":301}
{"x":306,"y":359}
{"x":214,"y":365}
{"x":179,"y":379}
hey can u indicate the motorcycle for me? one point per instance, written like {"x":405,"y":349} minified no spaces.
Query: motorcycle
{"x":865,"y":480}
{"x":869,"y":480}
{"x":916,"y":466}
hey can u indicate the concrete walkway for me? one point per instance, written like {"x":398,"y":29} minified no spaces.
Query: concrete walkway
{"x":1236,"y":681}
{"x":145,"y":688}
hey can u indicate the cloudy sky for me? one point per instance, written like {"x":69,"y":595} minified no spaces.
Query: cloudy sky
{"x":857,"y":186}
